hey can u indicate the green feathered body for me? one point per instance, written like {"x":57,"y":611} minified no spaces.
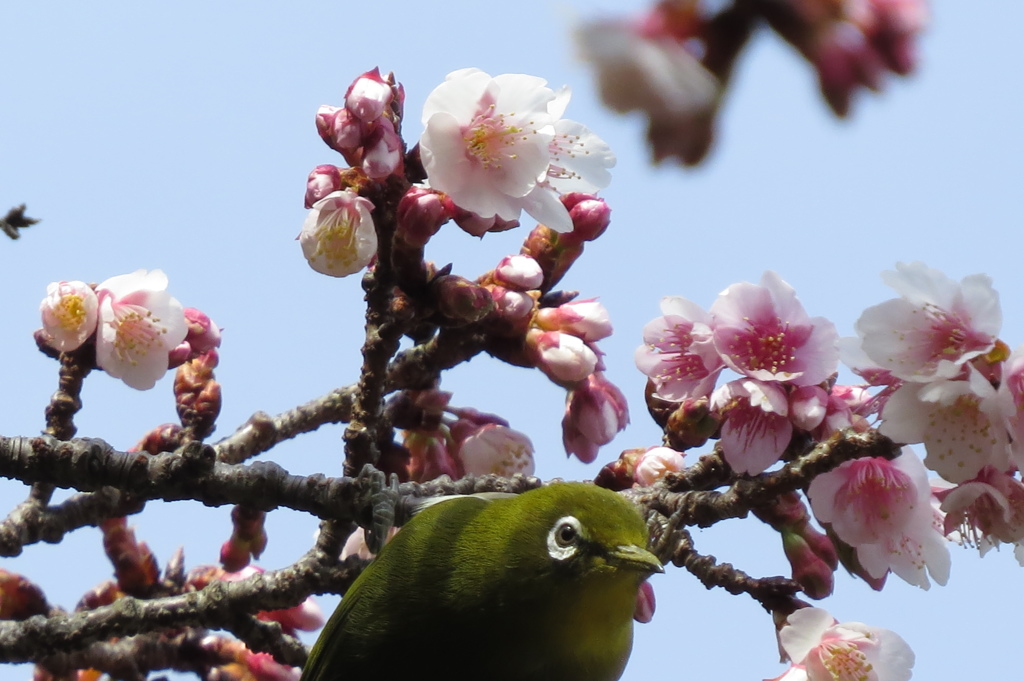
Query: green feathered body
{"x":470,"y":589}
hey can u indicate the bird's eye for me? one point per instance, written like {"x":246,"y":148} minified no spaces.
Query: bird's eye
{"x":564,"y":538}
{"x":566,"y":534}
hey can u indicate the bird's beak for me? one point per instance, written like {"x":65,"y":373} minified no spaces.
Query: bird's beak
{"x":632,"y":557}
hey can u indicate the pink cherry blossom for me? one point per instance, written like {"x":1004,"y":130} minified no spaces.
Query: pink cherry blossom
{"x":338,"y":237}
{"x":934,"y":328}
{"x":756,"y":429}
{"x":70,"y":314}
{"x":822,"y":649}
{"x":497,"y":147}
{"x":496,"y":449}
{"x":763,"y":332}
{"x":987,"y":510}
{"x":139,"y":325}
{"x":883,"y":510}
{"x":960,"y":423}
{"x":1011,"y":399}
{"x":595,"y":411}
{"x":678,"y":354}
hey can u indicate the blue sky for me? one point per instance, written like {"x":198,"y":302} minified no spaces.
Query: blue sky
{"x":179,"y":136}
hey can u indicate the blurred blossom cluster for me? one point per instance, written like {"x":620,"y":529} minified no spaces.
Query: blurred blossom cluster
{"x":674,"y":63}
{"x":137,"y":330}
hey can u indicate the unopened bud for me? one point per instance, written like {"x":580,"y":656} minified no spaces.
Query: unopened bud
{"x":691,"y":424}
{"x":590,"y":215}
{"x":813,"y":574}
{"x":461,"y":300}
{"x":619,"y":474}
{"x":564,"y":358}
{"x":420,"y":213}
{"x":369,"y":96}
{"x":322,"y":180}
{"x":518,"y":272}
{"x":339,"y":129}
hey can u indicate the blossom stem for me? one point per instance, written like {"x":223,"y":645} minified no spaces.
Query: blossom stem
{"x":368,"y":428}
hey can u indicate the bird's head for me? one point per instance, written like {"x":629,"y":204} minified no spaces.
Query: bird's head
{"x":583,"y":529}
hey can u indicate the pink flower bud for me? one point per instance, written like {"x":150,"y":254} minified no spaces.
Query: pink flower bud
{"x":368,"y":96}
{"x":595,"y":410}
{"x":323,"y":180}
{"x":203,"y":335}
{"x":587,"y":319}
{"x":519,"y":272}
{"x":590,"y":215}
{"x":691,"y":423}
{"x":496,"y":449}
{"x":644,"y":610}
{"x":656,"y":463}
{"x":807,"y":406}
{"x":382,"y":150}
{"x":563,"y":357}
{"x":421,"y":212}
{"x":70,"y":314}
{"x":473,"y":224}
{"x":812,"y":573}
{"x":338,"y":129}
{"x":512,"y":306}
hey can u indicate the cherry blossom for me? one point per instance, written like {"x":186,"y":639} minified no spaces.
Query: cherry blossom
{"x":1011,"y":399}
{"x":934,"y":328}
{"x":497,"y":449}
{"x":986,"y":511}
{"x":678,"y":354}
{"x":756,"y":429}
{"x":139,"y":325}
{"x":822,"y":649}
{"x":498,"y":146}
{"x":960,"y":423}
{"x":883,"y":510}
{"x":70,"y":314}
{"x":338,"y":237}
{"x":763,"y":332}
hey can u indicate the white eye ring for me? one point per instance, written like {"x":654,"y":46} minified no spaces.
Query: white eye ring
{"x":564,"y":537}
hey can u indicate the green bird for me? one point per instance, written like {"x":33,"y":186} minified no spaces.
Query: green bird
{"x":532,"y":587}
